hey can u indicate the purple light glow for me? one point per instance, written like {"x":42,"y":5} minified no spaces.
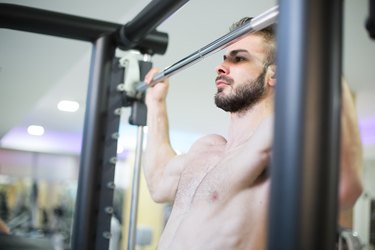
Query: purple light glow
{"x":367,"y":130}
{"x":51,"y":141}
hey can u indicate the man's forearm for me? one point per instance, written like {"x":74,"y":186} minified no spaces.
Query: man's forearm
{"x":158,"y":149}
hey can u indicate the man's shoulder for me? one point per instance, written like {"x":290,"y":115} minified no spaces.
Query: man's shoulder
{"x":210,"y":140}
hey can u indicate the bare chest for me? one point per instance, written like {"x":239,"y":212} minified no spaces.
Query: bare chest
{"x":244,"y":218}
{"x":205,"y":179}
{"x":193,"y":176}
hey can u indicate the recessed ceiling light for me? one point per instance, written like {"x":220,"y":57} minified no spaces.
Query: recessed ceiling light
{"x":35,"y":130}
{"x":68,"y":106}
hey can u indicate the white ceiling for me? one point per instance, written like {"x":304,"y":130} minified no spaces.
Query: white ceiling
{"x":36,"y":71}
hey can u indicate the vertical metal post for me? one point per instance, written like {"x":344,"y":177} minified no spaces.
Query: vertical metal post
{"x":138,"y":117}
{"x":109,"y":160}
{"x":305,"y":161}
{"x":135,"y":190}
{"x":86,"y":213}
{"x":370,"y":21}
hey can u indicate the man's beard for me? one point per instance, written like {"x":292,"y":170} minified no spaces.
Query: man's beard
{"x":244,"y":97}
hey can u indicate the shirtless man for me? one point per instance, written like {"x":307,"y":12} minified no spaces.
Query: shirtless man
{"x":219,"y":188}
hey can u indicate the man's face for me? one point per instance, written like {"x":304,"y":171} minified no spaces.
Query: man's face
{"x":240,"y":78}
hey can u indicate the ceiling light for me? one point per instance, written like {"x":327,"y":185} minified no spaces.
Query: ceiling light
{"x":68,"y":106}
{"x":35,"y":130}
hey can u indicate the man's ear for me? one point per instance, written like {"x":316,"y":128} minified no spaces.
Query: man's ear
{"x":271,"y":72}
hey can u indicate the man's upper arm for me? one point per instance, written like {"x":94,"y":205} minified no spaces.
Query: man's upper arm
{"x":163,"y":184}
{"x":168,"y":187}
{"x":351,"y":152}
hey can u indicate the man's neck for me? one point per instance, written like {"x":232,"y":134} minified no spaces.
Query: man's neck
{"x":242,"y":125}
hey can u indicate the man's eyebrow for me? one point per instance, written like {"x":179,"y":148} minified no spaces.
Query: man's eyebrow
{"x":235,"y":52}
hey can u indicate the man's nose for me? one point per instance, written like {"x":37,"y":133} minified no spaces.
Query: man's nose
{"x":222,"y":68}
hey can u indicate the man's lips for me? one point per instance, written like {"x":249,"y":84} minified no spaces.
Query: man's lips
{"x":222,"y":81}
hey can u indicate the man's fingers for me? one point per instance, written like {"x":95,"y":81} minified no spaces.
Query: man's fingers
{"x":150,"y":75}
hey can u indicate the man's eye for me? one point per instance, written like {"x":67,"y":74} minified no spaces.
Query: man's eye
{"x":234,"y":59}
{"x":239,"y":59}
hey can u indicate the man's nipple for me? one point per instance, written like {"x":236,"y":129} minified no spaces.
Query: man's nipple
{"x":214,"y":196}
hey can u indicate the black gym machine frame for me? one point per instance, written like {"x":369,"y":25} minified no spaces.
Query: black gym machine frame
{"x":304,"y":168}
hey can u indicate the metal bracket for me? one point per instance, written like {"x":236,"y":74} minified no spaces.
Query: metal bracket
{"x":131,"y":75}
{"x":135,"y":67}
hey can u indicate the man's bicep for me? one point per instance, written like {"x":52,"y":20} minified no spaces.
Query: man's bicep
{"x":167,"y":188}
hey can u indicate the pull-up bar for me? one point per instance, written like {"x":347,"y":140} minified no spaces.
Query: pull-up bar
{"x":259,"y":22}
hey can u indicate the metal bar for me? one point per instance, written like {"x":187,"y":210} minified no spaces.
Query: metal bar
{"x":53,"y":23}
{"x":137,"y":117}
{"x":147,"y":20}
{"x":86,"y":213}
{"x":370,"y":21}
{"x":135,"y":190}
{"x":46,"y":22}
{"x":305,"y":160}
{"x":261,"y":21}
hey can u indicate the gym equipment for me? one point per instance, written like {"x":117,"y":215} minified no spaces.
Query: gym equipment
{"x":298,"y":219}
